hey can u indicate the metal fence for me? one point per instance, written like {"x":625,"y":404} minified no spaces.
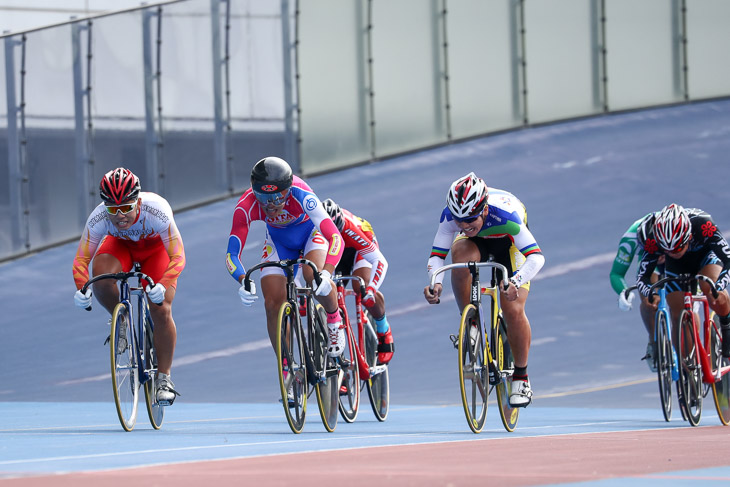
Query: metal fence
{"x":189,"y":94}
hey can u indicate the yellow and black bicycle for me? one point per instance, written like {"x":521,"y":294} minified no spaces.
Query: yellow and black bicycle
{"x":485,"y":357}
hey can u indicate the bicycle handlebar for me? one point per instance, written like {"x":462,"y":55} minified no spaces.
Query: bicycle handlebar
{"x":683,"y":278}
{"x":353,"y":278}
{"x":118,"y":276}
{"x":286,"y":265}
{"x":505,"y":280}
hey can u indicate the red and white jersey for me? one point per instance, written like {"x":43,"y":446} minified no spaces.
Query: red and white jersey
{"x":153,"y":225}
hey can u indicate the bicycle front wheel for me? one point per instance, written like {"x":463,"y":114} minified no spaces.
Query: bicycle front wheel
{"x":327,"y":373}
{"x":155,"y":412}
{"x":291,"y":366}
{"x":349,"y":393}
{"x":473,"y":370}
{"x":502,"y":352}
{"x":664,"y":364}
{"x":690,"y":373}
{"x":721,"y":387}
{"x":125,"y":376}
{"x":379,"y":382}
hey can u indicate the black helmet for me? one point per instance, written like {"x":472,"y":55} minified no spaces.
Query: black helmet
{"x":335,"y":212}
{"x":271,"y":175}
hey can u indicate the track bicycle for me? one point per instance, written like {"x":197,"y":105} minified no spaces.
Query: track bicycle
{"x":701,"y":365}
{"x":667,"y":365}
{"x":301,"y":350}
{"x":360,"y":360}
{"x":132,"y":349}
{"x":485,"y":357}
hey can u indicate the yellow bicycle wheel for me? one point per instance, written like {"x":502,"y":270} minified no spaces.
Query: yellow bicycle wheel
{"x":720,"y":388}
{"x":326,"y":370}
{"x":473,"y":368}
{"x":502,"y":353}
{"x":125,"y":377}
{"x":291,"y":366}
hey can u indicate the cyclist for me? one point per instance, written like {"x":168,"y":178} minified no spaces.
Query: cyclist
{"x":296,"y":224}
{"x":131,"y":226}
{"x":361,"y":255}
{"x":627,"y":248}
{"x":692,"y":245}
{"x":479,"y":221}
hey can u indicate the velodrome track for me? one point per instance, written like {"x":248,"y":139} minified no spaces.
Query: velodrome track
{"x":595,"y":416}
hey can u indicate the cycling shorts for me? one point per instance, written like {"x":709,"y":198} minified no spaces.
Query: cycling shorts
{"x":690,"y":263}
{"x":150,"y":253}
{"x":502,"y":249}
{"x":274,"y":250}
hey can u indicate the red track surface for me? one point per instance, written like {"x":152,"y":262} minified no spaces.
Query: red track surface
{"x":510,"y":462}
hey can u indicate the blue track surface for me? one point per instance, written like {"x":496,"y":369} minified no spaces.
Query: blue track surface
{"x":583,"y":183}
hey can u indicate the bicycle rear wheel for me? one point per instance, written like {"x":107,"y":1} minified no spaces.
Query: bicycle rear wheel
{"x":378,"y":384}
{"x":125,"y":378}
{"x":690,"y":373}
{"x":502,"y":352}
{"x":721,"y":387}
{"x":291,"y":366}
{"x":664,"y":364}
{"x":349,"y":392}
{"x":473,"y":370}
{"x":155,"y":412}
{"x":327,"y":373}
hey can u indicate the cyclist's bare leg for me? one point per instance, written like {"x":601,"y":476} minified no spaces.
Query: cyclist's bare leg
{"x":463,"y":250}
{"x":378,"y":309}
{"x":273,"y":288}
{"x":318,"y":257}
{"x":675,"y":300}
{"x":519,"y":332}
{"x":721,"y":305}
{"x":647,"y":316}
{"x":106,"y":290}
{"x":165,"y":336}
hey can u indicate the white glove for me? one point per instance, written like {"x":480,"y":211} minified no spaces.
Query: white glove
{"x":369,"y":299}
{"x":326,"y":286}
{"x":156,"y":294}
{"x":83,"y":300}
{"x":624,"y":304}
{"x":248,"y":297}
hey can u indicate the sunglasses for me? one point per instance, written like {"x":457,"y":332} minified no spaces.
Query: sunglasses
{"x":274,"y":199}
{"x":112,"y":210}
{"x":471,"y":219}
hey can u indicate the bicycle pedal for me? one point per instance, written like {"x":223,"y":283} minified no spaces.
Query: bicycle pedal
{"x":454,"y":340}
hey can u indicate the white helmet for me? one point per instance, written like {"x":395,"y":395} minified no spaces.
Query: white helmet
{"x":467,"y":197}
{"x":672,"y":228}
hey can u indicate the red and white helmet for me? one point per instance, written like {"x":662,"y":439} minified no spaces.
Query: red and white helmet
{"x":467,"y":197}
{"x":119,"y":186}
{"x":672,"y":228}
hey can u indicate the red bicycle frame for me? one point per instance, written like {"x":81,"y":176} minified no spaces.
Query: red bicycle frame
{"x":342,"y":292}
{"x":707,"y":329}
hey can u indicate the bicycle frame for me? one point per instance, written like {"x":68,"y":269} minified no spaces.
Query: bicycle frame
{"x":707,"y":328}
{"x":475,"y":298}
{"x":366,"y":372}
{"x":663,"y":307}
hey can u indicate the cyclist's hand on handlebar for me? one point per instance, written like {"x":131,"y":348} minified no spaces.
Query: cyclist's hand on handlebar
{"x":369,"y":299}
{"x":156,"y":293}
{"x":248,"y":297}
{"x":433,"y":296}
{"x":82,"y":300}
{"x":325,"y":287}
{"x":624,"y":303}
{"x":512,"y":292}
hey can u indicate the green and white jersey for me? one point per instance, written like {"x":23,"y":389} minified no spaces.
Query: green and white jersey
{"x":627,"y":248}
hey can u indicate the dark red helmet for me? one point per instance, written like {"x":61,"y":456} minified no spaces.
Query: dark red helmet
{"x":118,"y":186}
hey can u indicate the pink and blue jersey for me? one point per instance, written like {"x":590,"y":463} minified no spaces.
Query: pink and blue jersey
{"x":289,"y":230}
